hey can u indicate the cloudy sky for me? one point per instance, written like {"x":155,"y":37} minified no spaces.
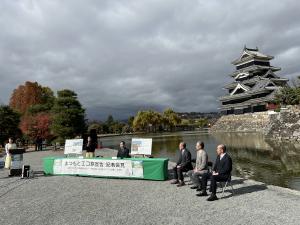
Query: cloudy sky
{"x":122,"y":56}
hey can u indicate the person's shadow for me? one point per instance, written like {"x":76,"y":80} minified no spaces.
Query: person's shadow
{"x":234,"y":183}
{"x":243,"y":190}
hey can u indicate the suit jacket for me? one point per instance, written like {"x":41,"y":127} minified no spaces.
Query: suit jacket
{"x":224,"y":166}
{"x":123,"y":153}
{"x":185,"y":160}
{"x":201,"y":161}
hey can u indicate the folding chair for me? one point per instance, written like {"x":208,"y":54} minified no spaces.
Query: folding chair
{"x":225,"y":184}
{"x":185,"y":174}
{"x":210,"y":166}
{"x":209,"y":170}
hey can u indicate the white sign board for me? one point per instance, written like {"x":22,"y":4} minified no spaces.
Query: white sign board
{"x":141,"y":146}
{"x":96,"y":167}
{"x":73,"y":146}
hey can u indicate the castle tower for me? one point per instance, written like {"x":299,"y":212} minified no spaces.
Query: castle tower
{"x":255,"y":84}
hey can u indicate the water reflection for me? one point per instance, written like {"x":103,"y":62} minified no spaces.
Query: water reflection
{"x":271,"y":162}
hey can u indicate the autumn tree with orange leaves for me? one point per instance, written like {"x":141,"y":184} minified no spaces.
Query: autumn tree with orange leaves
{"x":31,"y":97}
{"x":37,"y":125}
{"x":34,"y":103}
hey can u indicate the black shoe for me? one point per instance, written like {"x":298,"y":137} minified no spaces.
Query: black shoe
{"x":194,"y":187}
{"x":174,"y":181}
{"x":198,"y":189}
{"x":202,"y":193}
{"x":212,"y":198}
{"x":181,"y":183}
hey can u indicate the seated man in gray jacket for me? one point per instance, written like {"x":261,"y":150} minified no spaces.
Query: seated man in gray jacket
{"x":201,"y":165}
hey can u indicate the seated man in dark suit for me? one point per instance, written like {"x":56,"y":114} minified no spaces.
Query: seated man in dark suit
{"x":123,"y":151}
{"x":183,"y":164}
{"x":221,"y":172}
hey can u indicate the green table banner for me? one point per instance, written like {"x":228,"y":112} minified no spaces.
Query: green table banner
{"x":131,"y":168}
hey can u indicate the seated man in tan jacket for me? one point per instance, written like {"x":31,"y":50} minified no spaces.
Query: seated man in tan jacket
{"x":201,"y":165}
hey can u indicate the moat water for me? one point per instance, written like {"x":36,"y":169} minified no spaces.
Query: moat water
{"x":276,"y":163}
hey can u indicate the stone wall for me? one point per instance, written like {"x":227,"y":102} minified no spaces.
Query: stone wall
{"x":285,"y":125}
{"x":249,"y":122}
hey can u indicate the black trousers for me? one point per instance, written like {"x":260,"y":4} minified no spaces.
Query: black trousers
{"x":213,"y":181}
{"x":178,"y":175}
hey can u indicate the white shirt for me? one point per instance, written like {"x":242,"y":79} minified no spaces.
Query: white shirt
{"x":9,"y":146}
{"x":222,"y":155}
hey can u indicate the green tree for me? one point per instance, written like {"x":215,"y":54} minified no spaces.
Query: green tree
{"x":140,"y":121}
{"x":288,"y":96}
{"x":170,"y":119}
{"x":96,"y":125}
{"x":202,"y":122}
{"x":117,"y":127}
{"x":110,"y":120}
{"x":68,"y":116}
{"x":47,"y":101}
{"x":155,"y":120}
{"x":111,"y":124}
{"x":130,"y":121}
{"x":126,"y":128}
{"x":185,"y":122}
{"x":147,"y":121}
{"x":191,"y":121}
{"x":9,"y":123}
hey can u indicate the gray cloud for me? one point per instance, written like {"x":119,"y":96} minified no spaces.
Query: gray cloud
{"x":122,"y":56}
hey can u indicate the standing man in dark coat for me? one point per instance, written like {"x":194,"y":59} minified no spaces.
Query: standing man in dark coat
{"x":221,"y":172}
{"x":39,"y":143}
{"x":90,"y":148}
{"x":123,"y":152}
{"x":183,"y":164}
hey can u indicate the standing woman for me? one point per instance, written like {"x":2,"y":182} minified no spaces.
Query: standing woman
{"x":90,"y":148}
{"x":8,"y":146}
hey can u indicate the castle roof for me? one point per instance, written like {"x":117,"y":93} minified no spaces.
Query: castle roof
{"x":249,"y":54}
{"x":269,"y":97}
{"x":269,"y":74}
{"x":262,"y":85}
{"x":255,"y":68}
